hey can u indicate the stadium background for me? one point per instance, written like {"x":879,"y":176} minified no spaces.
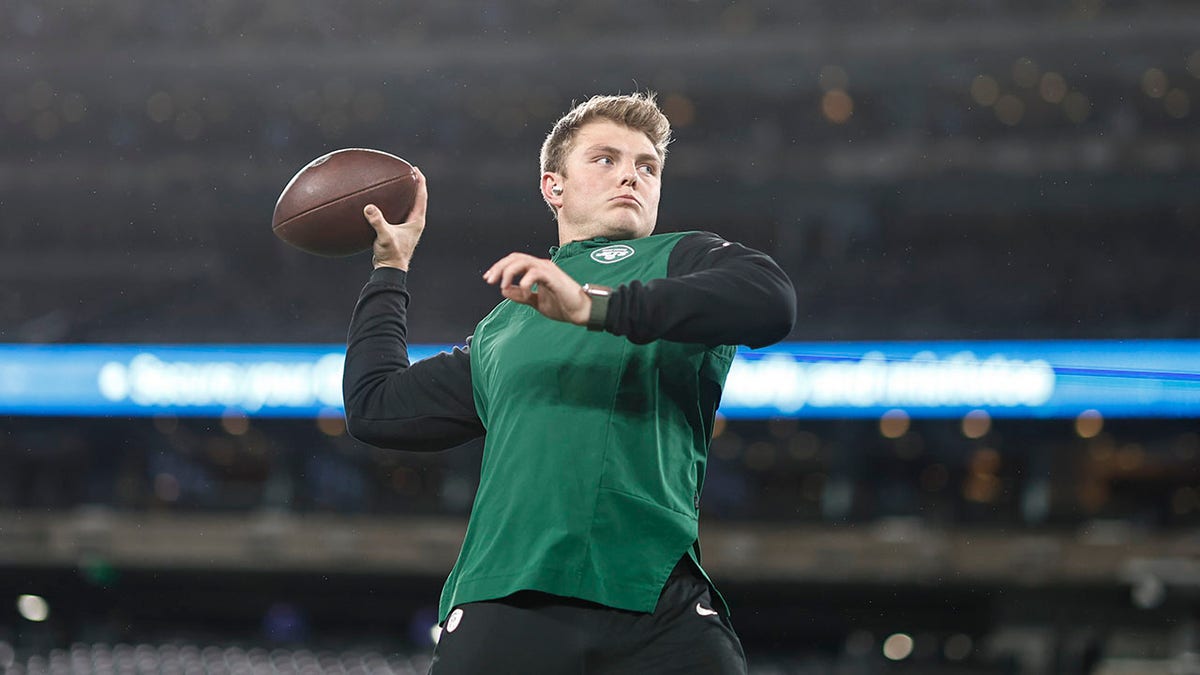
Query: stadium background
{"x":933,"y":170}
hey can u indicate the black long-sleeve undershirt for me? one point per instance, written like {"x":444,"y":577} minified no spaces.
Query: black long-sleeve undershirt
{"x":715,"y":292}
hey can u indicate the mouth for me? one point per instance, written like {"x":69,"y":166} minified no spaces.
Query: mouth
{"x":626,"y":199}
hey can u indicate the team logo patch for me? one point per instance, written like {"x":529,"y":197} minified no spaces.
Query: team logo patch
{"x":612,"y":254}
{"x":453,"y":620}
{"x":705,"y":611}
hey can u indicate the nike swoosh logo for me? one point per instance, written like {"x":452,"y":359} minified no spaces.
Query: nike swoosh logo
{"x":704,"y":611}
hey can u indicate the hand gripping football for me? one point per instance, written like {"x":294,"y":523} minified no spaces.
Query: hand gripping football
{"x":321,"y":209}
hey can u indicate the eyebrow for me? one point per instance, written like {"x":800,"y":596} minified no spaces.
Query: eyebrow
{"x":641,"y":157}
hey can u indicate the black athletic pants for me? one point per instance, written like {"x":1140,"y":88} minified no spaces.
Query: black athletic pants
{"x":530,"y":633}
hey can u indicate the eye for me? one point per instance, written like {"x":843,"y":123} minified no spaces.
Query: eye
{"x":604,"y":159}
{"x":648,"y":169}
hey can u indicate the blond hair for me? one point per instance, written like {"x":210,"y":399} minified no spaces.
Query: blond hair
{"x":637,"y":111}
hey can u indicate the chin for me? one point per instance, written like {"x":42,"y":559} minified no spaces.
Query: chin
{"x":628,"y":230}
{"x":617,"y":229}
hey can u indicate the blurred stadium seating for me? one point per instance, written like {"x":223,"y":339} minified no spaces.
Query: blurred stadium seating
{"x":192,"y":659}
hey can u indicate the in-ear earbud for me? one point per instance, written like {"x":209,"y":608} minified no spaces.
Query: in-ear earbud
{"x":556,"y":190}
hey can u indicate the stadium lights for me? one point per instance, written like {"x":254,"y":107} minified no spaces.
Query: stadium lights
{"x":1089,"y":423}
{"x":976,"y":424}
{"x":898,"y":646}
{"x":893,"y":423}
{"x":33,"y":608}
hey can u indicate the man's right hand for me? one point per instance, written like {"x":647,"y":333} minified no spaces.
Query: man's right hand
{"x":395,"y":243}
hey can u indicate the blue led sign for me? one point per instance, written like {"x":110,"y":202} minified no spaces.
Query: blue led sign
{"x":1144,"y":378}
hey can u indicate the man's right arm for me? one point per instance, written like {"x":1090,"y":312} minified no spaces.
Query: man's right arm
{"x":391,"y":403}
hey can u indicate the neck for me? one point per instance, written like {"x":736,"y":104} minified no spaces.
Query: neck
{"x":568,"y":233}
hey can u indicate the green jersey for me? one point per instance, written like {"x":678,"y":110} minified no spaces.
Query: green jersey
{"x":596,"y":447}
{"x":595,"y":443}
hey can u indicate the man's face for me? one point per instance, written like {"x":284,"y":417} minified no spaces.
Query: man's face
{"x":611,"y":183}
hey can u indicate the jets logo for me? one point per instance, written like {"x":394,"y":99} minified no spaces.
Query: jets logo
{"x":612,"y":254}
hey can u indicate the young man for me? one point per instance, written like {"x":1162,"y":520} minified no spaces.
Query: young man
{"x":595,"y":385}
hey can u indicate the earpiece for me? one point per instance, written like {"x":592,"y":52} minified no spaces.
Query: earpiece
{"x":556,"y":190}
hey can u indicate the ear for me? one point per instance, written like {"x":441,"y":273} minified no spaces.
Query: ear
{"x":549,"y":181}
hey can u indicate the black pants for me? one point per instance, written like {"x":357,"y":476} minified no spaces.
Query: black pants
{"x":531,"y":633}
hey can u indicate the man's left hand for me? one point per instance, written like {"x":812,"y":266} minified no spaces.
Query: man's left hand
{"x":557,"y":296}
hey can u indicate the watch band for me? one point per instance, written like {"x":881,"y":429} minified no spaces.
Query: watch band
{"x":600,"y":296}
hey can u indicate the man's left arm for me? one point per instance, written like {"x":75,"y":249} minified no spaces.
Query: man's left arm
{"x":716,"y":292}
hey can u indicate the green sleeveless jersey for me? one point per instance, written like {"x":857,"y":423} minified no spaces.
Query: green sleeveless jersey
{"x":595,"y":448}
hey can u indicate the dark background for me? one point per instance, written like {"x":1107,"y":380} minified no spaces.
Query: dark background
{"x":925,"y":170}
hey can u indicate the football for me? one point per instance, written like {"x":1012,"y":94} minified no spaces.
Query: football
{"x":320,"y":211}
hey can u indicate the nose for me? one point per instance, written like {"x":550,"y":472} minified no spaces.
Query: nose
{"x":630,"y":177}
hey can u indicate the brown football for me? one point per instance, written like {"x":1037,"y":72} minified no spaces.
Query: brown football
{"x":321,"y":209}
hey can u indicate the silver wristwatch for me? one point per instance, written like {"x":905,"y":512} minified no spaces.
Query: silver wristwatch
{"x":600,"y":296}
